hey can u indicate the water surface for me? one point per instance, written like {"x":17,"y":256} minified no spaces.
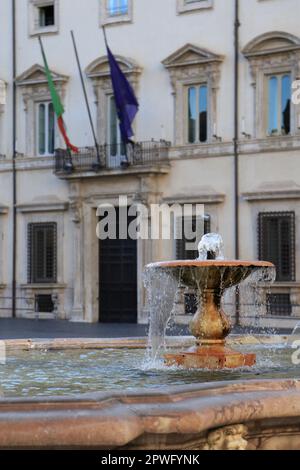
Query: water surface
{"x":53,"y":373}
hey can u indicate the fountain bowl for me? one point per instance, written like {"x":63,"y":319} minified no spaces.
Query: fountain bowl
{"x":212,"y":274}
{"x":210,"y":325}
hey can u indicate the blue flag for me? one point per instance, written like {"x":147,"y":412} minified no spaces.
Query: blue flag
{"x":126,"y":102}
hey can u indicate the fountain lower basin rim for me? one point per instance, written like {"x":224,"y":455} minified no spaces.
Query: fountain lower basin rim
{"x":216,"y":263}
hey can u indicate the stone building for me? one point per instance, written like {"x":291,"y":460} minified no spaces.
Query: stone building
{"x":199,"y":140}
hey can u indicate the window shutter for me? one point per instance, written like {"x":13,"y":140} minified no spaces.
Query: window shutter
{"x":42,"y":253}
{"x":277,"y":242}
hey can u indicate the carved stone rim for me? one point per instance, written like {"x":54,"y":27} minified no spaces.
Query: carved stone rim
{"x":118,"y":419}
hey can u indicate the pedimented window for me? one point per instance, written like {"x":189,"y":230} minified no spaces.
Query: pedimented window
{"x":274,"y":60}
{"x":195,"y":76}
{"x":40,"y":124}
{"x":99,"y":73}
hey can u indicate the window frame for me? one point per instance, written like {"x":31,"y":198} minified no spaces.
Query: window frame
{"x":197,"y":141}
{"x":33,"y":278}
{"x":37,"y":124}
{"x":107,"y":19}
{"x":34,"y":17}
{"x":279,"y":76}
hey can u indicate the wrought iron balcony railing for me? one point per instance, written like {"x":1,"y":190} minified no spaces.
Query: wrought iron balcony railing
{"x":111,"y":157}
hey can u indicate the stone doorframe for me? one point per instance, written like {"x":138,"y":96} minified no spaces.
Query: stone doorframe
{"x":86,"y":256}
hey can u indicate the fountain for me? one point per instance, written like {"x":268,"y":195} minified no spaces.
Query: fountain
{"x":96,"y":394}
{"x":210,"y":278}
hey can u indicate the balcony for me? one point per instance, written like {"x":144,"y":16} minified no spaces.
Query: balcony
{"x":142,"y":157}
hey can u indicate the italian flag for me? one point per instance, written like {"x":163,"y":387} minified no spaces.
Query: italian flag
{"x":58,"y":107}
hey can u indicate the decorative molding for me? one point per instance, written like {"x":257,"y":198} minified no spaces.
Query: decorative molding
{"x":277,"y":190}
{"x":76,"y":212}
{"x":43,"y":207}
{"x":271,"y":195}
{"x":192,"y":65}
{"x":205,"y":197}
{"x":99,"y":68}
{"x":190,"y":55}
{"x":227,"y":438}
{"x":271,"y":43}
{"x":187,"y":7}
{"x":42,"y":287}
{"x":35,"y":75}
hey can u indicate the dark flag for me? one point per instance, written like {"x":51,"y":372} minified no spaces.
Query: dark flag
{"x":126,"y":102}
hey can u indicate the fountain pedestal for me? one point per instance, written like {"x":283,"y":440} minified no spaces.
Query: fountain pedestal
{"x":211,"y":356}
{"x":210,"y":326}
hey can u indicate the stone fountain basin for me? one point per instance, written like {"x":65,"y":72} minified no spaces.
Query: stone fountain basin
{"x":211,"y":274}
{"x":236,"y":414}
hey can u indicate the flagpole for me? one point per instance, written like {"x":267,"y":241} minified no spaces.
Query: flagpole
{"x":86,"y":97}
{"x":105,"y":37}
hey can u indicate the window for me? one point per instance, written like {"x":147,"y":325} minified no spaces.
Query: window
{"x":42,"y":256}
{"x":46,"y":16}
{"x":195,"y":77}
{"x":185,"y":6}
{"x":279,"y":104}
{"x":115,"y":11}
{"x":44,"y":303}
{"x":117,"y":150}
{"x":197,"y":114}
{"x":117,"y":7}
{"x":277,"y":242}
{"x":181,"y":252}
{"x":279,"y":305}
{"x":273,"y":65}
{"x":43,"y":16}
{"x":45,"y":129}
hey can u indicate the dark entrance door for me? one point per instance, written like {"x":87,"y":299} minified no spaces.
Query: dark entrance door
{"x":118,"y":280}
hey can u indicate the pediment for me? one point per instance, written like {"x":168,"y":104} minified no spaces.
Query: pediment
{"x":191,"y":55}
{"x":100,"y":66}
{"x":36,"y":75}
{"x":272,"y":43}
